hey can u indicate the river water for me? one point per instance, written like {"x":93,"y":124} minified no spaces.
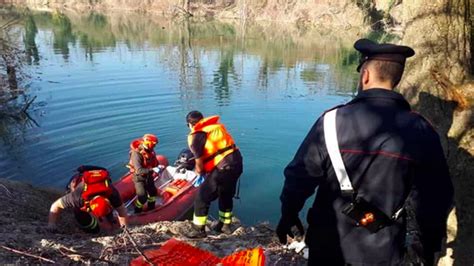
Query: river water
{"x":101,"y":80}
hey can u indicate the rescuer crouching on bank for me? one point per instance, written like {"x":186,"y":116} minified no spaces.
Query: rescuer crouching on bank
{"x":92,"y":198}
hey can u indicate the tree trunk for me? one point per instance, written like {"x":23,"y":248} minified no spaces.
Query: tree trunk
{"x":437,"y":83}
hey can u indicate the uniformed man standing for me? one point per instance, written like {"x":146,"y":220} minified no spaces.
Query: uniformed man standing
{"x":387,"y":153}
{"x":219,"y":160}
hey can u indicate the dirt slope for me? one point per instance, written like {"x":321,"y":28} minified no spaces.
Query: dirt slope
{"x":23,"y":219}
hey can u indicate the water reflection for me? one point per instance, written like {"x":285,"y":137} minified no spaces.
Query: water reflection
{"x":222,"y":75}
{"x":63,"y":35}
{"x":108,"y":78}
{"x":95,"y":32}
{"x":31,"y":49}
{"x":183,"y":40}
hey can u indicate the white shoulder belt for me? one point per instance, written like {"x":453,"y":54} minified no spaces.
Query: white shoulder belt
{"x":330,"y":136}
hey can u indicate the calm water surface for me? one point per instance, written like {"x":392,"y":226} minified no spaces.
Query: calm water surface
{"x":103,"y":80}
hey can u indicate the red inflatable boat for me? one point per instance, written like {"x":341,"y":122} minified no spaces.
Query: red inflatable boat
{"x":175,"y":194}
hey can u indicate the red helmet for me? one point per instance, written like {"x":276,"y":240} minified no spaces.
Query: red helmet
{"x":150,"y":141}
{"x":100,"y":206}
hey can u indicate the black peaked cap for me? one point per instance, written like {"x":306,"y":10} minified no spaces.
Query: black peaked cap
{"x":384,"y":51}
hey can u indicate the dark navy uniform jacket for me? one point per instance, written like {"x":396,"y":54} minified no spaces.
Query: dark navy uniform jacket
{"x":387,"y":150}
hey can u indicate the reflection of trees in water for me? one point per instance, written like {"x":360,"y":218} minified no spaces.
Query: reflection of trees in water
{"x":92,"y":32}
{"x":189,"y":67}
{"x":184,"y":43}
{"x":182,"y":57}
{"x":14,"y":99}
{"x":96,"y":25}
{"x":347,"y":60}
{"x":62,"y":33}
{"x":31,"y":49}
{"x":224,"y":72}
{"x":263,"y":75}
{"x":97,"y":20}
{"x":334,"y":73}
{"x":268,"y":66}
{"x":15,"y":121}
{"x":315,"y":78}
{"x":185,"y":58}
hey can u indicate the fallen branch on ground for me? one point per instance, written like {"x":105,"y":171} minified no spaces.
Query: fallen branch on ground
{"x":27,"y":254}
{"x":136,"y":246}
{"x":72,"y":253}
{"x":9,"y":193}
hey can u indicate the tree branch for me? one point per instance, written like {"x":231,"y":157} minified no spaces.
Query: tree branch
{"x":184,"y":11}
{"x":65,"y":251}
{"x":9,"y":23}
{"x":136,"y":246}
{"x":27,"y":254}
{"x":27,"y":105}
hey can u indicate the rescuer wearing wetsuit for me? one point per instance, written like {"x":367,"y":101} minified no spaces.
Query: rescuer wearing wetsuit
{"x":218,"y":158}
{"x":388,"y":152}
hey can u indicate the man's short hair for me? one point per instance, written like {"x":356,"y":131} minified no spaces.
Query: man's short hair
{"x":387,"y":70}
{"x":193,"y":117}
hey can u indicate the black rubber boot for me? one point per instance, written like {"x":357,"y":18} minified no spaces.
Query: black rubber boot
{"x":196,"y":231}
{"x":138,"y":210}
{"x":150,"y":205}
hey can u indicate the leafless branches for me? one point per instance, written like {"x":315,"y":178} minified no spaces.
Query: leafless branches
{"x":27,"y":254}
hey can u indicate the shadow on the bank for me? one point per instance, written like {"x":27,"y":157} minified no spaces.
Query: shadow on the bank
{"x":461,"y":165}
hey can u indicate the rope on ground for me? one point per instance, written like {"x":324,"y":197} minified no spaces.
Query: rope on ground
{"x":136,"y":246}
{"x":27,"y":254}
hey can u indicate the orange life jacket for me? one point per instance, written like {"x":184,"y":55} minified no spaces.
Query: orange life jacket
{"x":149,"y":157}
{"x":96,"y":183}
{"x":219,"y":143}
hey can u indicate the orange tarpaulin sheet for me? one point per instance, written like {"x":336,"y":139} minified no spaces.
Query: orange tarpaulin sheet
{"x":177,"y":253}
{"x":250,"y":257}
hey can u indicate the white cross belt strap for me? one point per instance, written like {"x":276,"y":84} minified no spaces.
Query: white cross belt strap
{"x":330,"y":135}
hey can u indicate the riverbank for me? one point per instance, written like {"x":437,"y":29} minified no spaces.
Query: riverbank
{"x":23,"y":227}
{"x":433,"y":77}
{"x":321,"y":12}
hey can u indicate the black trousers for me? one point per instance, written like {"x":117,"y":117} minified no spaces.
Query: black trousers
{"x":87,"y":222}
{"x":144,"y":187}
{"x":220,"y":183}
